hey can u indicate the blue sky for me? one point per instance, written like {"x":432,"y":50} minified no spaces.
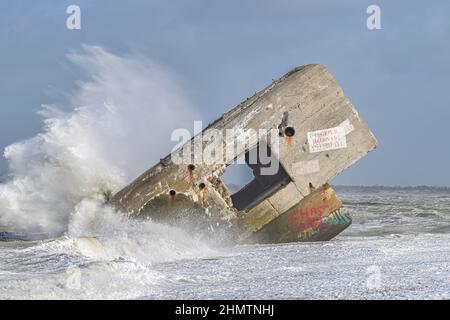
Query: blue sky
{"x":223,"y":51}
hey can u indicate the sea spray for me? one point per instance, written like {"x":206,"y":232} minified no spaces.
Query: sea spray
{"x":103,"y":255}
{"x":117,"y":125}
{"x":117,"y":236}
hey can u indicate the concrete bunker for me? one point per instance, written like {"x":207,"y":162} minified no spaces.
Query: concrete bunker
{"x":321,"y":136}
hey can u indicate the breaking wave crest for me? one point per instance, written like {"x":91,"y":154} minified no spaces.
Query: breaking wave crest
{"x":106,"y":256}
{"x":115,"y":126}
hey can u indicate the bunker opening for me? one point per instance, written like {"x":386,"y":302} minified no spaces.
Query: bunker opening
{"x":260,"y":175}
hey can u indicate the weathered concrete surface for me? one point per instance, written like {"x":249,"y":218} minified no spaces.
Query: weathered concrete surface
{"x":307,"y":99}
{"x":320,"y":216}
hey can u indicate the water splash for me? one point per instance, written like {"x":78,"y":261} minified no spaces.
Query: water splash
{"x":118,"y":124}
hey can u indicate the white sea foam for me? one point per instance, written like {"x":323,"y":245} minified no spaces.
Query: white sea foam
{"x":118,"y":125}
{"x":103,"y":255}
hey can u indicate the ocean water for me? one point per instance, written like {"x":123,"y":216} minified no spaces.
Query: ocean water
{"x":397,"y":248}
{"x":108,"y":132}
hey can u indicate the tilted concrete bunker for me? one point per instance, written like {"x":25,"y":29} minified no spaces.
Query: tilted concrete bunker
{"x":321,"y":134}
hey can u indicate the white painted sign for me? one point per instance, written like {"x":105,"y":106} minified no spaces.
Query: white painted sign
{"x":303,"y":168}
{"x":348,"y":127}
{"x":327,"y":139}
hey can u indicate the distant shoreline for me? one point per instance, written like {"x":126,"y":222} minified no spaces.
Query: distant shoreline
{"x":403,"y":188}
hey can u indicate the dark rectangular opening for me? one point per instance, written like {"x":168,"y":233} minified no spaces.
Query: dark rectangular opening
{"x":262,"y":186}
